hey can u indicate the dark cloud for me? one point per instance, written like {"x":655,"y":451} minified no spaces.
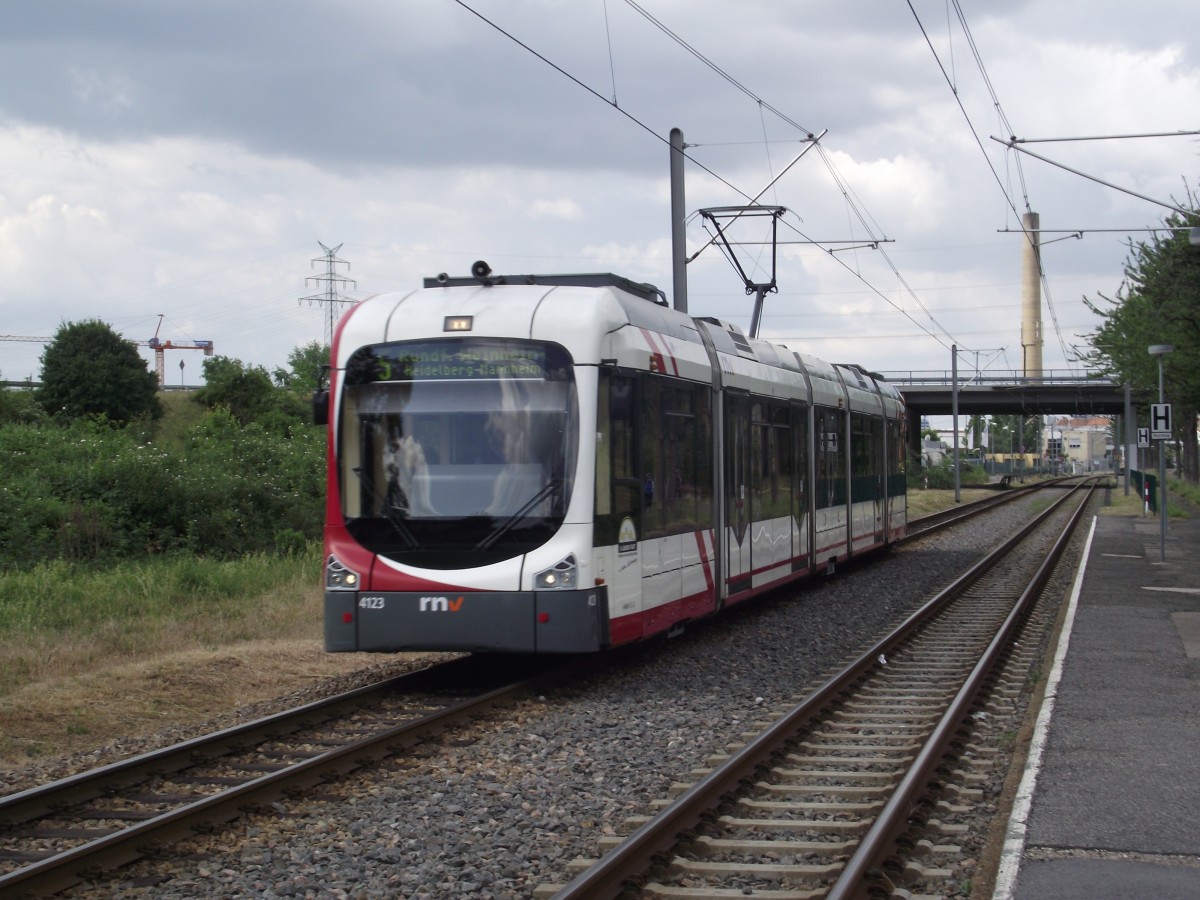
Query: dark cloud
{"x":390,"y":84}
{"x":169,"y":138}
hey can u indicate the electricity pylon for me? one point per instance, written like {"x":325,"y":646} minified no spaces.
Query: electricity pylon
{"x":332,"y":281}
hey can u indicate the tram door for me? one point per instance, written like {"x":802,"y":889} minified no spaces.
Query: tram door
{"x":867,"y":485}
{"x":618,"y":528}
{"x":738,"y":514}
{"x":879,"y":462}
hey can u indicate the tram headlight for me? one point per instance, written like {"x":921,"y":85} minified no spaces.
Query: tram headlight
{"x":338,"y":577}
{"x":559,"y":577}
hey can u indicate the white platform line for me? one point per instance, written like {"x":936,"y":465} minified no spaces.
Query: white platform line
{"x":1014,"y":836}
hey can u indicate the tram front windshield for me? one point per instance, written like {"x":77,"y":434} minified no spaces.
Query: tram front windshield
{"x":457,"y":452}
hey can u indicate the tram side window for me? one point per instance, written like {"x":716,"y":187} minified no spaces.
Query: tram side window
{"x":799,"y":438}
{"x":617,"y":483}
{"x":686,"y":444}
{"x":782,"y":438}
{"x":653,"y":447}
{"x":831,"y":458}
{"x":771,"y":461}
{"x":879,"y":455}
{"x":676,"y":441}
{"x":703,"y":471}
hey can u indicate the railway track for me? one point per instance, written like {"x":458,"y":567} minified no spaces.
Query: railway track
{"x":956,"y":515}
{"x":855,"y":791}
{"x":54,"y":836}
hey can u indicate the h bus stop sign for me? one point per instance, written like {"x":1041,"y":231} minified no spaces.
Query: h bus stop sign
{"x":1143,"y":437}
{"x":1160,"y":421}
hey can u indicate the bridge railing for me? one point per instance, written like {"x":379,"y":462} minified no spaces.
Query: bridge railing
{"x":945,"y":378}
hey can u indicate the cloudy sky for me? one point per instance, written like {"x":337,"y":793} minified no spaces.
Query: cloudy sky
{"x":187,"y":160}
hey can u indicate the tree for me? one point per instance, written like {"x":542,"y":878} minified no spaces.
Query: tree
{"x":1014,"y":434}
{"x":973,"y":434}
{"x":1158,"y":303}
{"x":90,"y":370}
{"x":246,"y":391}
{"x":306,"y":363}
{"x":249,"y":395}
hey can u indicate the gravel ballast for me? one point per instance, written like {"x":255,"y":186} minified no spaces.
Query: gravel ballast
{"x":499,"y":807}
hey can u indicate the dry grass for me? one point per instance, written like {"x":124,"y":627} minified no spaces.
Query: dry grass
{"x":55,"y":716}
{"x":925,"y":502}
{"x":1121,"y":505}
{"x":69,"y":691}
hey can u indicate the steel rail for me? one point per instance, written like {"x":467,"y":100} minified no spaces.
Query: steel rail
{"x":865,"y":869}
{"x":37,"y":801}
{"x":33,"y":802}
{"x":626,"y":863}
{"x":71,"y":866}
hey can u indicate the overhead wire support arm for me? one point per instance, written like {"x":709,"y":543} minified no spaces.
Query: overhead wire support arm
{"x":1067,"y":233}
{"x":850,"y":243}
{"x":1013,"y":144}
{"x":1104,"y":137}
{"x":812,"y":141}
{"x":1080,"y":232}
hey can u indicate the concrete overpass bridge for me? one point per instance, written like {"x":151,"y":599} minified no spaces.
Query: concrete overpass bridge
{"x":931,"y":393}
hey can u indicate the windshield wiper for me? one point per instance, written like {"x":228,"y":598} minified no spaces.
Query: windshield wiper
{"x":393,"y":514}
{"x":504,"y":527}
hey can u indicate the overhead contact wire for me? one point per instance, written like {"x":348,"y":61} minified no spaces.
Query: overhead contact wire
{"x":692,"y":159}
{"x":557,"y":68}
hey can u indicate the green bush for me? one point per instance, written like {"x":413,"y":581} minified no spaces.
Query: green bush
{"x":57,"y":596}
{"x":941,"y":476}
{"x":93,"y":491}
{"x":20,"y":406}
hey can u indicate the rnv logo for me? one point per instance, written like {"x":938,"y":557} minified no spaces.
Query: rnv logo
{"x":440,"y":604}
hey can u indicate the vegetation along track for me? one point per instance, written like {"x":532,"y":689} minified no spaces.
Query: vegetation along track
{"x":855,"y":791}
{"x":57,"y":835}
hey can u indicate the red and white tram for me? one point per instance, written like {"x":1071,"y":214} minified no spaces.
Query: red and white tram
{"x":560,"y":464}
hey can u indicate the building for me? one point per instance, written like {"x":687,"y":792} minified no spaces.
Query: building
{"x":1082,"y":444}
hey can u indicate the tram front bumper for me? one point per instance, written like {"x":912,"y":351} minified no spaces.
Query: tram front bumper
{"x":518,"y":622}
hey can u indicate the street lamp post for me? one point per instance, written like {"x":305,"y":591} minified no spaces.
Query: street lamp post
{"x":1161,"y":350}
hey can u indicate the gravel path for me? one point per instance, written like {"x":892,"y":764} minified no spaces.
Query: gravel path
{"x":500,"y":807}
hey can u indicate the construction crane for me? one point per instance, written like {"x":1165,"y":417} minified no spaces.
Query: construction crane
{"x":158,"y":346}
{"x":160,"y":367}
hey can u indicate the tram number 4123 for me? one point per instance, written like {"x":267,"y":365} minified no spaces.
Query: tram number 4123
{"x":370,"y":603}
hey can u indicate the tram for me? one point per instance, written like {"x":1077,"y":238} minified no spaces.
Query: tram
{"x":564,"y":463}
